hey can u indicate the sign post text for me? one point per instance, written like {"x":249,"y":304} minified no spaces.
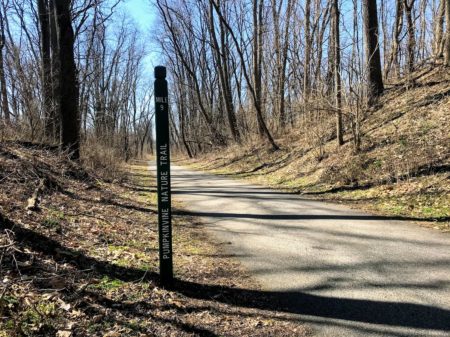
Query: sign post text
{"x":163,"y":177}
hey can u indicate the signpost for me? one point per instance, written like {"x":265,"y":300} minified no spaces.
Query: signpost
{"x":163,"y":177}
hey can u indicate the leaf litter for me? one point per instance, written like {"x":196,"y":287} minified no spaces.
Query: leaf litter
{"x":84,"y":261}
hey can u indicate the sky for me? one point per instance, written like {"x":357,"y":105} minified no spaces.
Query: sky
{"x":143,"y":13}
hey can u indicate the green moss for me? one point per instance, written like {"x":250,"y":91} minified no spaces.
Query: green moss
{"x":56,"y":213}
{"x":39,"y":316}
{"x":392,"y":207}
{"x":9,"y":300}
{"x":29,"y":319}
{"x":107,"y":283}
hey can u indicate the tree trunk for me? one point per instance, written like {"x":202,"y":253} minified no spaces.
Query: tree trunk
{"x":265,"y":131}
{"x":281,"y":46}
{"x":439,"y":30}
{"x":44,"y":24}
{"x":221,"y":57}
{"x":275,"y":7}
{"x":447,"y":33}
{"x":372,"y":50}
{"x":183,"y":127}
{"x":68,"y":94}
{"x":55,"y":112}
{"x":284,"y":62}
{"x":4,"y":92}
{"x":308,"y":46}
{"x":394,"y":61}
{"x":337,"y":70}
{"x":411,"y":34}
{"x":257,"y":61}
{"x":228,"y":95}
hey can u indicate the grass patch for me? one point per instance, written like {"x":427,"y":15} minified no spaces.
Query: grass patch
{"x":107,"y":283}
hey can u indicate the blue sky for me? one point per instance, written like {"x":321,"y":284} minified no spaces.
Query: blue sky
{"x":143,"y":13}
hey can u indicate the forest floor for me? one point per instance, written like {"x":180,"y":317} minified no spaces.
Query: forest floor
{"x":402,"y":168}
{"x":79,"y":258}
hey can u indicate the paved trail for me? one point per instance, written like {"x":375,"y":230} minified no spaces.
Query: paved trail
{"x":345,"y":272}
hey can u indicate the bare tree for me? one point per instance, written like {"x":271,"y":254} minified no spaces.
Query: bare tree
{"x":281,"y":48}
{"x":184,"y":48}
{"x":394,"y":56}
{"x":44,"y":22}
{"x":409,"y":4}
{"x":337,"y":69}
{"x":438,"y":40}
{"x":308,"y":46}
{"x":253,"y":86}
{"x":3,"y":89}
{"x":221,"y":54}
{"x":447,"y":34}
{"x":257,"y":55}
{"x":68,"y":95}
{"x":239,"y":69}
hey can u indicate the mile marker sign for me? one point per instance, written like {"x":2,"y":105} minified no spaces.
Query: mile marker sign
{"x":163,"y":177}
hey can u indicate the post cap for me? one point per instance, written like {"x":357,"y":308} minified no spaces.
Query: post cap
{"x":160,"y":72}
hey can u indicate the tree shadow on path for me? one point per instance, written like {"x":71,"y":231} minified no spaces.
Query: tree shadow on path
{"x":398,"y":314}
{"x":366,"y":217}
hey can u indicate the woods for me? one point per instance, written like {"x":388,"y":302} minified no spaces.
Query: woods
{"x":72,"y":72}
{"x":259,"y":68}
{"x":285,"y":163}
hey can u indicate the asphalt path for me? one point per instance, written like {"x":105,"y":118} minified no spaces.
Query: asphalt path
{"x":342,"y":271}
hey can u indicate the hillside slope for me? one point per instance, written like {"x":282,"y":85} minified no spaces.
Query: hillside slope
{"x":402,"y":168}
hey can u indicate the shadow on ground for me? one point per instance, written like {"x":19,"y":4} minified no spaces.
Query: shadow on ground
{"x":396,"y":314}
{"x":367,"y":217}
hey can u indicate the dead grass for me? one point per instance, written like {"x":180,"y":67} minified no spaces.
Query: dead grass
{"x":106,"y":162}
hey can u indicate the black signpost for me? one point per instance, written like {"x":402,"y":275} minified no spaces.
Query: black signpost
{"x":163,"y":177}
